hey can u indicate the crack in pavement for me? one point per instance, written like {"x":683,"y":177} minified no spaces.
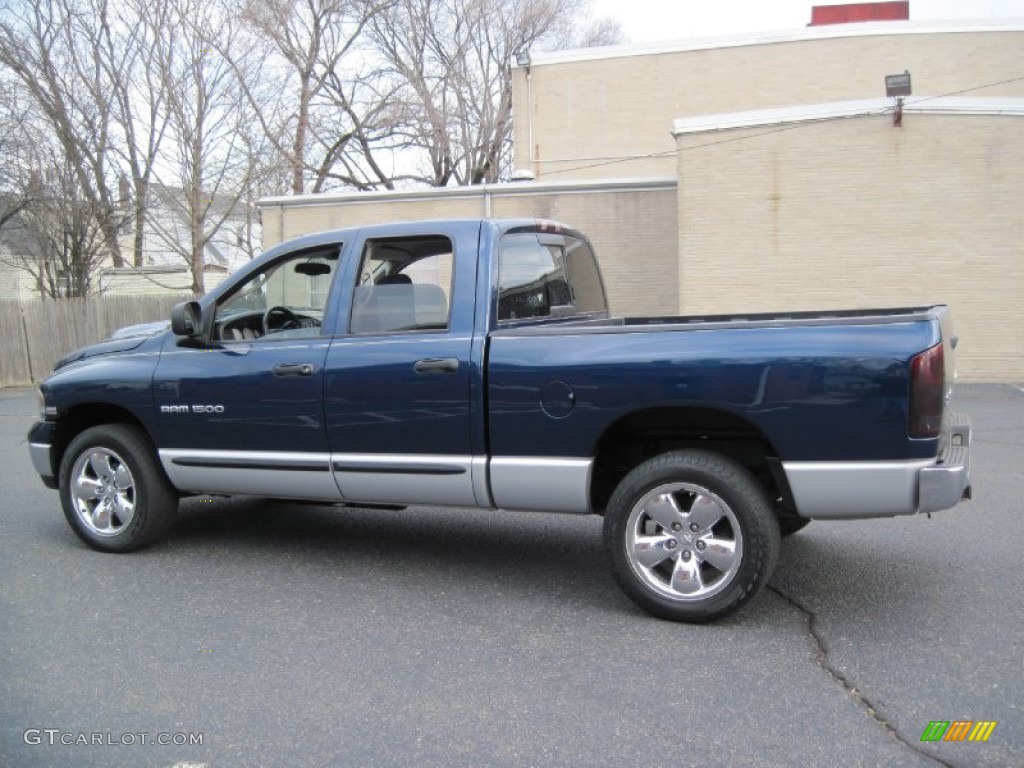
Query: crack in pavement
{"x":821,"y":653}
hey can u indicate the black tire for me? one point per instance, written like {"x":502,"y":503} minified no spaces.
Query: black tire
{"x":683,"y":573}
{"x":790,"y":524}
{"x":115,"y":496}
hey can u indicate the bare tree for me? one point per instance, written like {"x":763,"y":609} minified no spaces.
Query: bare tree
{"x":602,"y":31}
{"x":57,"y":238}
{"x":312,"y":39}
{"x":40,"y":45}
{"x":210,"y":155}
{"x":208,"y":104}
{"x":453,"y":59}
{"x":125,"y":38}
{"x":14,"y":192}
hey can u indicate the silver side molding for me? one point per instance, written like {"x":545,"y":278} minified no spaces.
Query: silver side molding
{"x":481,"y":483}
{"x":256,"y":473}
{"x":550,"y":484}
{"x":395,"y":478}
{"x":855,"y":489}
{"x":541,"y":483}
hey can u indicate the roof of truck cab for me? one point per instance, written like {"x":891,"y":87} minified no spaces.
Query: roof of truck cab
{"x":411,"y":228}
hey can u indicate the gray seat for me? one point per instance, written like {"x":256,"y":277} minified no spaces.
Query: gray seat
{"x":383,"y":308}
{"x":395,"y":303}
{"x":431,"y":306}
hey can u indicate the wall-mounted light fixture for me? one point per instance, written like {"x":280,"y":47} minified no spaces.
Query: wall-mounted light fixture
{"x":523,"y":60}
{"x":896,"y":87}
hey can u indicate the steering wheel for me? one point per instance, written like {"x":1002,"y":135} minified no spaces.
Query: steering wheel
{"x":290,"y":320}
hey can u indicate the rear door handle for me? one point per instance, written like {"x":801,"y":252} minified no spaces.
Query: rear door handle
{"x":437,"y":365}
{"x":288,"y":370}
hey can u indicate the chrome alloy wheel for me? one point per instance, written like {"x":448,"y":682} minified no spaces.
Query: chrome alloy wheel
{"x":103,"y":492}
{"x":683,"y":542}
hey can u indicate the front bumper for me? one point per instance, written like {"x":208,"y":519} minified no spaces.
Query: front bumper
{"x":948,"y":482}
{"x":40,"y":443}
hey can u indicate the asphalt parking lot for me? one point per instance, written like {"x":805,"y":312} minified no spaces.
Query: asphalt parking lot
{"x":290,"y":635}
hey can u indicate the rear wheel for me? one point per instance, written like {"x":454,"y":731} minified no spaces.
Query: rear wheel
{"x":691,"y":535}
{"x":114,"y":495}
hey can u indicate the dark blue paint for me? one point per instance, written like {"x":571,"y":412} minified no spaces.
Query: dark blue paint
{"x":262,"y":412}
{"x":109,"y":374}
{"x":817,"y":393}
{"x":376,"y":403}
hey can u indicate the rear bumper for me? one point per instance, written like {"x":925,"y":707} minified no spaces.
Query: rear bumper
{"x":948,"y":482}
{"x":849,"y":490}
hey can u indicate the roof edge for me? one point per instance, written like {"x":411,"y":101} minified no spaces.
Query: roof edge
{"x":926,"y":105}
{"x":827,"y":32}
{"x":476,"y":191}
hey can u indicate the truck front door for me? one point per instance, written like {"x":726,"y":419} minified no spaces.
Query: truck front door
{"x":243,"y":412}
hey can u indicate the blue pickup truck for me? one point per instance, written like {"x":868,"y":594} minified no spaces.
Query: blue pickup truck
{"x":474,"y":364}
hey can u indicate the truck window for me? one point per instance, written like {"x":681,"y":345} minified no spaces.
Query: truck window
{"x":286,"y":299}
{"x":404,"y":284}
{"x":585,"y":277}
{"x":539,"y":279}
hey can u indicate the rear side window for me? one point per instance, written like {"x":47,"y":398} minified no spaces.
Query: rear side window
{"x":545,"y":276}
{"x":404,"y":284}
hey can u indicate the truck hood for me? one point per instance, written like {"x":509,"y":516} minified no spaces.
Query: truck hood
{"x":116,"y":343}
{"x":142,"y":330}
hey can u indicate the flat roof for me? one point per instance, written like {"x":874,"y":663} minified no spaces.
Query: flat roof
{"x":503,"y":189}
{"x":827,"y":32}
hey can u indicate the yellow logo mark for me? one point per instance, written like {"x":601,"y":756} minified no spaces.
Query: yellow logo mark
{"x":982,"y":730}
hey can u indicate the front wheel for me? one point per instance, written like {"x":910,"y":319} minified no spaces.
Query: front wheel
{"x":691,"y":535}
{"x":114,"y":495}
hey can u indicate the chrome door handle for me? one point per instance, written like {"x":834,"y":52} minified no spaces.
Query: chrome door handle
{"x":288,"y":370}
{"x":437,"y":365}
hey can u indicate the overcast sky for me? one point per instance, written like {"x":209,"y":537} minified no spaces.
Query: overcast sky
{"x":649,"y":20}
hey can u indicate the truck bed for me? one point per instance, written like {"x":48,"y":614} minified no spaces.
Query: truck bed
{"x":735,"y":321}
{"x":828,"y":386}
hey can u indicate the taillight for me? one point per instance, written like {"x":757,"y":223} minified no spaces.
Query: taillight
{"x":927,"y":392}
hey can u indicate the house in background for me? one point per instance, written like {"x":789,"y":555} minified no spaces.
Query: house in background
{"x":15,"y":282}
{"x":166,"y":241}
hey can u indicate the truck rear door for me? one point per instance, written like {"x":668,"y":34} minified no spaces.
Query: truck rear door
{"x":398,"y":379}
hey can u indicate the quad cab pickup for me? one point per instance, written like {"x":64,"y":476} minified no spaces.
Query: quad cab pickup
{"x":474,"y":364}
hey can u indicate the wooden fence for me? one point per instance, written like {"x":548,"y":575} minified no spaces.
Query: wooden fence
{"x":36,"y":334}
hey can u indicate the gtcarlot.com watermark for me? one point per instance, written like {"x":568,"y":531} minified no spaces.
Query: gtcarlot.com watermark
{"x":56,"y":736}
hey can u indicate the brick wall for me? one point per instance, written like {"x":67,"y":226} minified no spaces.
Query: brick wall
{"x":857,"y":213}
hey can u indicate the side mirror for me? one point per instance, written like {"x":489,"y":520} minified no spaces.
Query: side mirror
{"x":187,"y":319}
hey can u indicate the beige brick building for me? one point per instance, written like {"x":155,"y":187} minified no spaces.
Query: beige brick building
{"x":766,"y":173}
{"x":608,"y":112}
